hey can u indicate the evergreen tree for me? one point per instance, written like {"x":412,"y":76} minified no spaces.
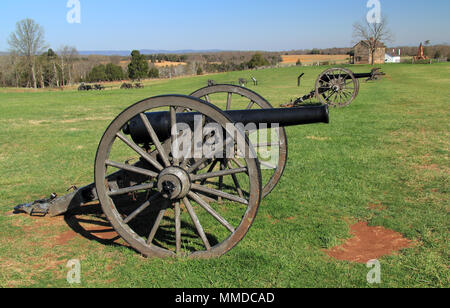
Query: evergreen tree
{"x":98,"y":73}
{"x":114,"y":72}
{"x":138,"y":67}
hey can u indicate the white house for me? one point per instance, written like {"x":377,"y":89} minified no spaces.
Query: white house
{"x":393,"y":58}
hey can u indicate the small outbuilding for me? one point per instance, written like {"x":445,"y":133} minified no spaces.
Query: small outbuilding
{"x":362,"y":54}
{"x":394,"y":57}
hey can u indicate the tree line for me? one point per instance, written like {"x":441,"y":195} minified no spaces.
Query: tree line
{"x":31,"y":63}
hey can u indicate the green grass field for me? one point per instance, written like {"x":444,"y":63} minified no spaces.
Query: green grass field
{"x":390,"y":147}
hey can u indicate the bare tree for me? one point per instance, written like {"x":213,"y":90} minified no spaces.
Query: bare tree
{"x":28,"y":41}
{"x":373,"y":34}
{"x":67,"y":55}
{"x":14,"y":61}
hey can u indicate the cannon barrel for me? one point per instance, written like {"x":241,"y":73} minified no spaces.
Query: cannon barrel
{"x":160,"y":121}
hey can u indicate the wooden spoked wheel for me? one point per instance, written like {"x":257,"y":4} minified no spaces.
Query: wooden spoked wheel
{"x":271,"y":143}
{"x":337,"y":87}
{"x":171,"y":211}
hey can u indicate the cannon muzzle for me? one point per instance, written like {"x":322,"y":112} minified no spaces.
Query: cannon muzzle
{"x":160,"y":121}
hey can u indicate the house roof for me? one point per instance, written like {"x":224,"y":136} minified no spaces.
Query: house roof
{"x":366,"y":43}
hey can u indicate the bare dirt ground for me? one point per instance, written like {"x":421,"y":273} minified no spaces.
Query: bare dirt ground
{"x":309,"y":59}
{"x":369,"y":243}
{"x":158,"y":64}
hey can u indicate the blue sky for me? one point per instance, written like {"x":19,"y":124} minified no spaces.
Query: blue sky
{"x":226,"y":24}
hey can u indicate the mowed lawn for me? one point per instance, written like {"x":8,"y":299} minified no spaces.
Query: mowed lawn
{"x":389,"y":148}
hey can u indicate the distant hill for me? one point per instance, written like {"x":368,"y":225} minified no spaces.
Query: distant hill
{"x":125,"y":53}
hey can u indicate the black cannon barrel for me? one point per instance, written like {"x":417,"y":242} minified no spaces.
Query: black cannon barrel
{"x":160,"y":121}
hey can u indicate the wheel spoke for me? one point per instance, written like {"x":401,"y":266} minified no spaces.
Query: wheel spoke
{"x":141,"y":208}
{"x":156,"y":226}
{"x":236,"y":182}
{"x":218,"y":193}
{"x":197,"y":164}
{"x":211,"y":211}
{"x":213,"y":165}
{"x":155,"y":140}
{"x":250,"y":105}
{"x":339,"y":98}
{"x":127,"y":190}
{"x":173,"y":126}
{"x":349,"y":92}
{"x":196,"y":222}
{"x":140,"y":151}
{"x":237,"y":162}
{"x":345,"y":94}
{"x":177,"y":228}
{"x":216,"y":174}
{"x":229,"y":101}
{"x":131,"y":168}
{"x":201,"y":161}
{"x":327,"y":99}
{"x":198,"y":132}
{"x":222,"y":167}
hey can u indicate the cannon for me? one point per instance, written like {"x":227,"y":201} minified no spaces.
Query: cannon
{"x":99,"y":87}
{"x":126,"y":85}
{"x":336,"y":87}
{"x":166,"y":199}
{"x":85,"y":87}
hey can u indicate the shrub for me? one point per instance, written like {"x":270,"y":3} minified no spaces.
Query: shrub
{"x":153,"y":72}
{"x":257,"y":61}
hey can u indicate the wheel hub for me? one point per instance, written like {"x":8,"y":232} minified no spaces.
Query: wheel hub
{"x":174,"y":183}
{"x":336,"y":85}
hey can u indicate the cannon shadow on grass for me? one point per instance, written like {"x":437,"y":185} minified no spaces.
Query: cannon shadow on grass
{"x":90,"y":222}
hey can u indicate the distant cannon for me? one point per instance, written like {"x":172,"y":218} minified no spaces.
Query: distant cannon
{"x":126,"y":85}
{"x":242,"y":82}
{"x":85,"y":87}
{"x":336,"y":87}
{"x":99,"y":87}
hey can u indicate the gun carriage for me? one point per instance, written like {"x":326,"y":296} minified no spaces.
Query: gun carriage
{"x":336,"y":87}
{"x":199,"y":204}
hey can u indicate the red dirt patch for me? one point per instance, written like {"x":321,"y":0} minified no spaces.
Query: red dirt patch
{"x":377,"y":206}
{"x":369,"y":243}
{"x":65,"y":237}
